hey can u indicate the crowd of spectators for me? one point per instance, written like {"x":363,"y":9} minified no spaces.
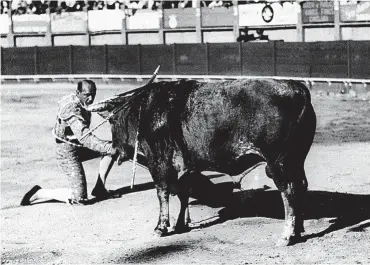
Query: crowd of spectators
{"x":19,"y":7}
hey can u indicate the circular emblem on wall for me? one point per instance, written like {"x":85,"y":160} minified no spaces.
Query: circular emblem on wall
{"x":267,"y":13}
{"x":172,"y":22}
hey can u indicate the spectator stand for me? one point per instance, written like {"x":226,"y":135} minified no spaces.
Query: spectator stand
{"x":191,"y":9}
{"x":188,"y":21}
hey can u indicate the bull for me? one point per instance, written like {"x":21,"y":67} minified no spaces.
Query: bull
{"x":186,"y":127}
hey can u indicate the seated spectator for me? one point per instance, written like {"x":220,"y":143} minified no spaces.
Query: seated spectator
{"x":167,"y":4}
{"x":101,"y":5}
{"x":44,"y":6}
{"x":79,"y":6}
{"x":62,"y":7}
{"x":91,"y":5}
{"x":245,"y":36}
{"x":261,"y":36}
{"x":5,"y":7}
{"x":112,"y":4}
{"x":156,"y":5}
{"x":186,"y":4}
{"x":20,"y":7}
{"x":228,"y":4}
{"x":53,"y":5}
{"x":214,"y":4}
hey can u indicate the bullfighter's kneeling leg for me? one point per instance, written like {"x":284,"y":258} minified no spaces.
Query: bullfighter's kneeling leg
{"x":38,"y":194}
{"x":71,"y":164}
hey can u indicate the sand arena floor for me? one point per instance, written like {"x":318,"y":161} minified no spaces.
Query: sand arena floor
{"x":120,"y":230}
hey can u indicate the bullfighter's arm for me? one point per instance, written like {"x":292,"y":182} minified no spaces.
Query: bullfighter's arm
{"x":90,"y":141}
{"x":79,"y":127}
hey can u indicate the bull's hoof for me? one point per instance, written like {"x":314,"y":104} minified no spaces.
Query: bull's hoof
{"x":179,"y":229}
{"x":160,"y":232}
{"x":283,"y":242}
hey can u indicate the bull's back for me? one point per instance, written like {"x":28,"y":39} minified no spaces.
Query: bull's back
{"x":222,"y":119}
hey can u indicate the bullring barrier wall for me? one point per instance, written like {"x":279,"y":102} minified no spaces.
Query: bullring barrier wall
{"x":339,"y":59}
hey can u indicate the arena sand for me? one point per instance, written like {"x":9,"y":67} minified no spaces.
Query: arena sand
{"x":231,"y":227}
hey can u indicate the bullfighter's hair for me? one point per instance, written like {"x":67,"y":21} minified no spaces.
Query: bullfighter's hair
{"x":85,"y":81}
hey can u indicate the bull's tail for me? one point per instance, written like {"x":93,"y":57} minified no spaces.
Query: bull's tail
{"x":302,"y":135}
{"x":303,"y":128}
{"x":299,"y":139}
{"x":306,"y":99}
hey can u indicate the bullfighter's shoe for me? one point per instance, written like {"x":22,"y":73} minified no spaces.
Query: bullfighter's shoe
{"x":26,"y":198}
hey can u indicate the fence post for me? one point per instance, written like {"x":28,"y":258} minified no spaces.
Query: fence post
{"x":123,"y":26}
{"x":274,"y":57}
{"x":87,"y":30}
{"x":10,"y":35}
{"x":236,"y":19}
{"x":174,"y":59}
{"x":337,"y":28}
{"x":161,"y":25}
{"x":48,"y":34}
{"x":299,"y":30}
{"x":198,"y":22}
{"x":241,"y":58}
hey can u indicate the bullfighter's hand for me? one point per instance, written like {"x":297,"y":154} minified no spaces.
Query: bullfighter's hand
{"x":77,"y":202}
{"x":122,"y":157}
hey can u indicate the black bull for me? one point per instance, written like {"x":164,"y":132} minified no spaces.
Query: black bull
{"x":186,"y":127}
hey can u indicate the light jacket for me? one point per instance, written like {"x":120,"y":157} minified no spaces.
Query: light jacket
{"x":73,"y":121}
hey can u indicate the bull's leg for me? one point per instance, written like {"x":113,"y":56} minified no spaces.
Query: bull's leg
{"x":293,"y":214}
{"x":183,"y":220}
{"x":292,"y":190}
{"x":164,"y":216}
{"x":164,"y":178}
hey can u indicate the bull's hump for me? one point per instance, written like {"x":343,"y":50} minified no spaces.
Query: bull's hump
{"x":271,"y":86}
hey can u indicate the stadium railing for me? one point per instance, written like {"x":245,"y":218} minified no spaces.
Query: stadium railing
{"x":107,"y":77}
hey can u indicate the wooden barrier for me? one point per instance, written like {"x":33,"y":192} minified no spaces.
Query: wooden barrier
{"x":342,"y":59}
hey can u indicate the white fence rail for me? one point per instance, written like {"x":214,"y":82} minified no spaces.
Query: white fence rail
{"x":107,"y":77}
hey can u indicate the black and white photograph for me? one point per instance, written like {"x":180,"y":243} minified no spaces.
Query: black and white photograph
{"x":185,"y":132}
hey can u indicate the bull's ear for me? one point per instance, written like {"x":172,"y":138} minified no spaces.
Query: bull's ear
{"x":106,"y":106}
{"x":104,"y":114}
{"x":101,"y":106}
{"x":103,"y":109}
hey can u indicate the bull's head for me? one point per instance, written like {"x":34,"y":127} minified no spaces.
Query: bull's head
{"x":106,"y":107}
{"x":111,"y":105}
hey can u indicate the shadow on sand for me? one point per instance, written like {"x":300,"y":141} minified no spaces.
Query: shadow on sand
{"x":346,"y":209}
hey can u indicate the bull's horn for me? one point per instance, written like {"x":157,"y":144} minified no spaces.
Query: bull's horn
{"x":99,"y":106}
{"x":142,"y":87}
{"x":104,"y":105}
{"x":154,"y":74}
